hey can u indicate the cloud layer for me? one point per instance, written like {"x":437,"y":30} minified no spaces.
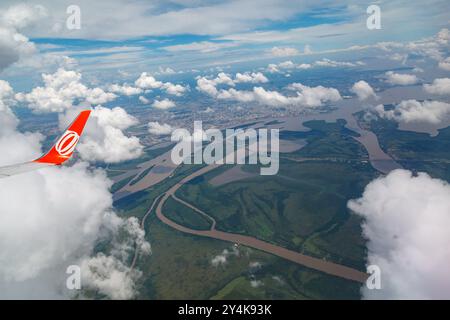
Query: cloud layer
{"x":406,"y":224}
{"x":67,"y":211}
{"x":407,"y":111}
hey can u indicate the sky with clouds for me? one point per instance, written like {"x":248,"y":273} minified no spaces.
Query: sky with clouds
{"x":131,"y":35}
{"x":164,"y":53}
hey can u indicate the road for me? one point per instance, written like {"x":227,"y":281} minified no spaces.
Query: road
{"x":304,"y":260}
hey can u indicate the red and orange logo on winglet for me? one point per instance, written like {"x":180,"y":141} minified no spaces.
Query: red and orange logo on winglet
{"x":64,"y":147}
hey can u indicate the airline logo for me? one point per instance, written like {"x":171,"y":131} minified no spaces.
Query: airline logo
{"x":66,"y":144}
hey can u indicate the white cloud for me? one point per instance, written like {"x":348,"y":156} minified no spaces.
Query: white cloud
{"x":445,"y":64}
{"x":103,"y":138}
{"x":331,"y":63}
{"x":146,"y":81}
{"x":62,"y":89}
{"x":284,"y":52}
{"x":443,"y":36}
{"x":256,"y":283}
{"x":209,"y":86}
{"x":306,"y":96}
{"x":273,"y":68}
{"x":160,"y":129}
{"x":221,"y":259}
{"x":315,"y":96}
{"x":13,"y":44}
{"x":289,"y":65}
{"x":407,"y":111}
{"x":125,"y":90}
{"x":174,"y":89}
{"x":254,"y":77}
{"x":203,"y":46}
{"x":66,"y":212}
{"x":144,"y":100}
{"x":401,"y":79}
{"x":363,"y":90}
{"x":286,"y":65}
{"x":439,"y":86}
{"x":163,"y":104}
{"x":166,"y":70}
{"x":406,"y":224}
{"x":109,"y":274}
{"x":223,"y":78}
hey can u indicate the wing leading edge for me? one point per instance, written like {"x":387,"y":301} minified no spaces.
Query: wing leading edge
{"x":60,"y":152}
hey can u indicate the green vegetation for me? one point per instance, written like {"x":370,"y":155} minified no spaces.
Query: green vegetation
{"x":415,"y":151}
{"x":185,"y":216}
{"x":122,"y":183}
{"x":327,"y":140}
{"x":180,"y":268}
{"x":303,"y":208}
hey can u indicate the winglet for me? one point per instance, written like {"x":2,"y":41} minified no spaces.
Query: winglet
{"x":64,"y":147}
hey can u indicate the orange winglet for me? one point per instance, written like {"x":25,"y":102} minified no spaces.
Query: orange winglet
{"x":64,"y":147}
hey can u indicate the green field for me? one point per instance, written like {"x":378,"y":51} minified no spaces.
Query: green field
{"x":185,"y":216}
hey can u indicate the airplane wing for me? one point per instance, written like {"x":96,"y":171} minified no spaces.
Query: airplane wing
{"x":60,"y":152}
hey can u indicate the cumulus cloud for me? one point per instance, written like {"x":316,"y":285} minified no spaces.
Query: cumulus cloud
{"x":160,"y":129}
{"x":163,"y":104}
{"x":109,"y":273}
{"x":401,"y":79}
{"x":406,"y":219}
{"x":289,"y":65}
{"x":166,"y":70}
{"x":363,"y":90}
{"x":62,"y":90}
{"x":174,"y":89}
{"x":146,"y":82}
{"x":221,"y":259}
{"x":104,"y":139}
{"x":407,"y":111}
{"x":284,"y":52}
{"x":125,"y":90}
{"x":256,"y":283}
{"x":15,"y":145}
{"x":443,"y":36}
{"x":144,"y":100}
{"x":439,"y":86}
{"x":13,"y":44}
{"x":209,"y":86}
{"x":315,"y":96}
{"x":67,"y":212}
{"x":445,"y":64}
{"x":306,"y":96}
{"x":254,"y":77}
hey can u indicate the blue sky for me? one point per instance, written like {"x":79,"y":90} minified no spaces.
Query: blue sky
{"x":132,"y":36}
